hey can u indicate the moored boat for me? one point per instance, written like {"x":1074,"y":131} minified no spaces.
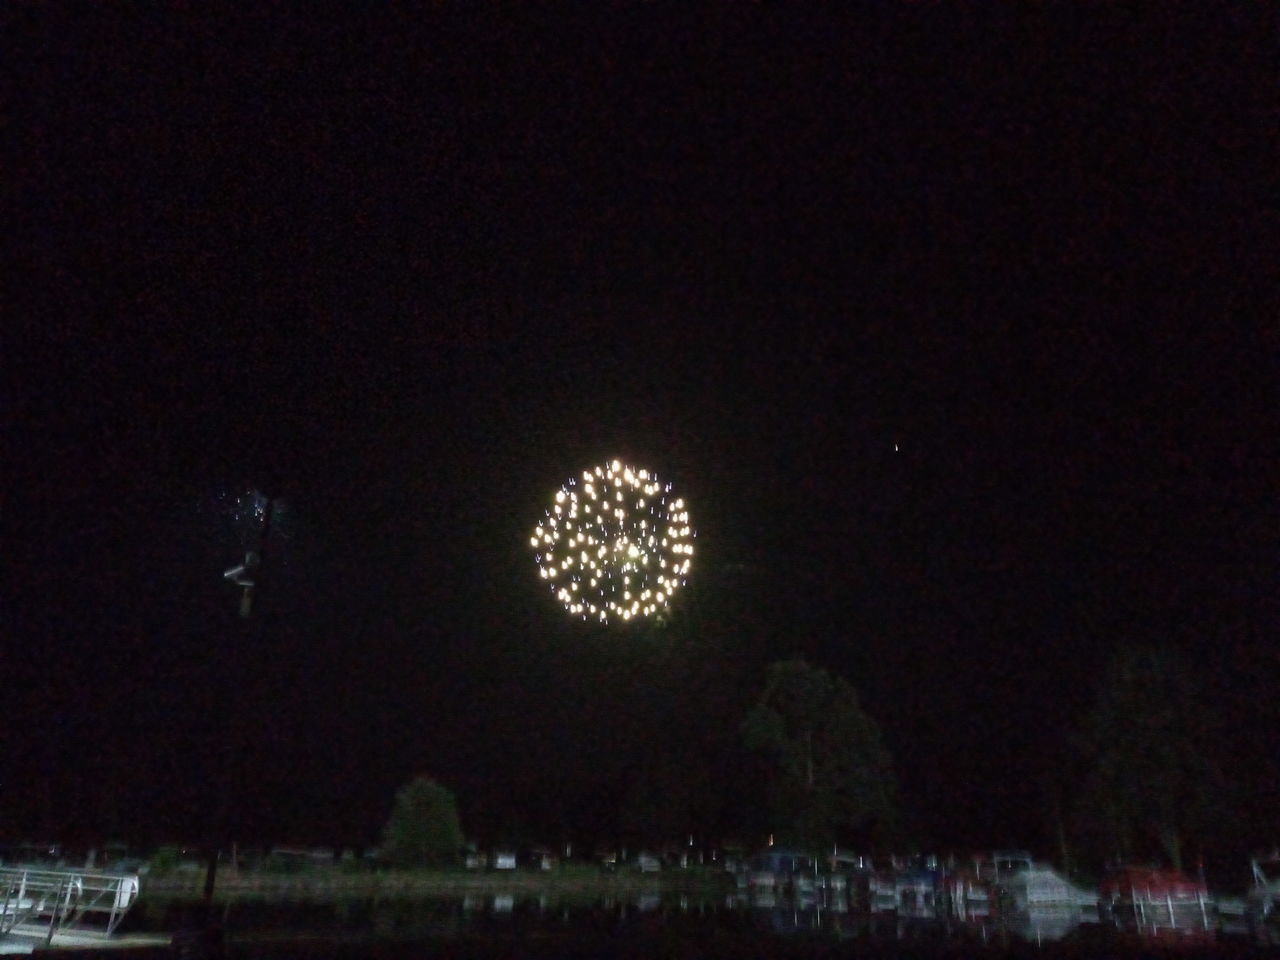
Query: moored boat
{"x":1032,"y":900}
{"x":1163,"y":906}
{"x":1262,"y":905}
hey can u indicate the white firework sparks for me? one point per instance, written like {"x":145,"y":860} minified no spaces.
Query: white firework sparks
{"x":615,"y":543}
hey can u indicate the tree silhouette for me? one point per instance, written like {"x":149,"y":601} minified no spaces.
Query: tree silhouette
{"x":423,"y":829}
{"x":828,"y":774}
{"x":1149,"y":778}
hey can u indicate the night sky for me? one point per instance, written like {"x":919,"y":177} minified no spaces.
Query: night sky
{"x":955,"y":326}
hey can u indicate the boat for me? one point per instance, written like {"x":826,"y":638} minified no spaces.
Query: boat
{"x":781,"y":871}
{"x":1158,"y":905}
{"x":917,"y":888}
{"x":868,"y":888}
{"x":1033,"y":901}
{"x":1262,"y":905}
{"x":968,"y":896}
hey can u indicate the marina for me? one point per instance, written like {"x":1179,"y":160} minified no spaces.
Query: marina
{"x":1003,"y":901}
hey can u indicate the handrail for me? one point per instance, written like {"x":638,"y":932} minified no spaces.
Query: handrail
{"x":42,"y":902}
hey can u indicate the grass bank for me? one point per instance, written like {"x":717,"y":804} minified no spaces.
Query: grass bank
{"x":565,"y":880}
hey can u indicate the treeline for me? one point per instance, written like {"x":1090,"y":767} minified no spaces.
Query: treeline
{"x":659,"y":759}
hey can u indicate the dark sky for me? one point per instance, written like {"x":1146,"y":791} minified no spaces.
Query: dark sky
{"x":955,"y":326}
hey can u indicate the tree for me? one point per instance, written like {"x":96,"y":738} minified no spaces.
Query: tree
{"x":828,"y":773}
{"x":423,"y":829}
{"x":1150,"y":780}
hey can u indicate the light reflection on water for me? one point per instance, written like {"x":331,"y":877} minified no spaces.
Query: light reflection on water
{"x":819,"y":912}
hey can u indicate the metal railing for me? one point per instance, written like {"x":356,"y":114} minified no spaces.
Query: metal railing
{"x":43,"y":903}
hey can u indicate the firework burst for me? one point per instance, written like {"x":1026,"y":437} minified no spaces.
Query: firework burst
{"x":615,"y":543}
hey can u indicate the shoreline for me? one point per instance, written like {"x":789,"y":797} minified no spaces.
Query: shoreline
{"x":409,"y":884}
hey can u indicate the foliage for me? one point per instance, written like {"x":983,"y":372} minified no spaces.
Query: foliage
{"x":1149,"y":777}
{"x":164,"y":860}
{"x":828,"y":774}
{"x":423,"y":829}
{"x":665,"y":796}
